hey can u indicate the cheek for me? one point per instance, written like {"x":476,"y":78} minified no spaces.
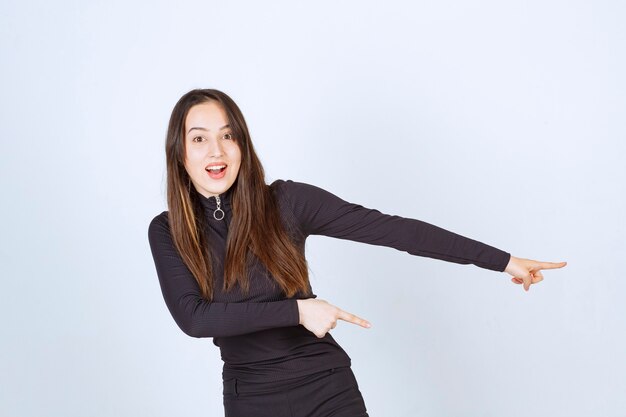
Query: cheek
{"x":235,"y":155}
{"x":194,"y":156}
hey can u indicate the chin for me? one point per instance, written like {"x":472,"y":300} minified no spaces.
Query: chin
{"x":218,"y":190}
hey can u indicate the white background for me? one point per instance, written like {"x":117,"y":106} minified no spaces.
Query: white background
{"x":501,"y":121}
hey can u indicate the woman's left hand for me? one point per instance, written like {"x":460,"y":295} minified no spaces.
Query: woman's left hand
{"x":528,"y":271}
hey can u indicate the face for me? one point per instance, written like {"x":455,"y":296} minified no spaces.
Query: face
{"x":209,"y":141}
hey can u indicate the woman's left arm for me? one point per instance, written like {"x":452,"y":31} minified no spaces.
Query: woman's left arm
{"x":320,"y":212}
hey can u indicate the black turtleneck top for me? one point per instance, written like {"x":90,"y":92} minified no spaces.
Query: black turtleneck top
{"x":258,"y":333}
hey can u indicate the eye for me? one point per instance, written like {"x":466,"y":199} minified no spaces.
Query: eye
{"x":197,"y":137}
{"x":228,"y":136}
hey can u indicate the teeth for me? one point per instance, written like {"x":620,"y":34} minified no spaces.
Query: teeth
{"x":217,"y":168}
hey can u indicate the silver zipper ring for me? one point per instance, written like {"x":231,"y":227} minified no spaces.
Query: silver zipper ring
{"x":217,"y":198}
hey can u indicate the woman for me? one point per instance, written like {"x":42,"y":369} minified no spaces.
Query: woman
{"x":229,"y":255}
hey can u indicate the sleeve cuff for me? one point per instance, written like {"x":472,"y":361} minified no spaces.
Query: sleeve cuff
{"x":295,"y":312}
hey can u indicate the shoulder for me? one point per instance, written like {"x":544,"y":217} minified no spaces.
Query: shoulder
{"x":303,"y":196}
{"x":296,"y":194}
{"x":294,"y":201}
{"x":310,"y":205}
{"x":294,"y":190}
{"x":283,"y":185}
{"x":159,"y":224}
{"x":161,"y":218}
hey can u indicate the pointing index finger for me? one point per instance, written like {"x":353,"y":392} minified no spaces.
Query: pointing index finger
{"x":552,"y":265}
{"x":351,"y":318}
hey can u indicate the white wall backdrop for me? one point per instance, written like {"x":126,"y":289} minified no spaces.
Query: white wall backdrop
{"x":501,"y":121}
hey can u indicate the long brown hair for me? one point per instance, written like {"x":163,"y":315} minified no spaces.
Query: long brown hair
{"x":251,"y":231}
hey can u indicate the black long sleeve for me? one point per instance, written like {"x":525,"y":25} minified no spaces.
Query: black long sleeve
{"x":258,"y":333}
{"x":195,"y":315}
{"x":320,"y":212}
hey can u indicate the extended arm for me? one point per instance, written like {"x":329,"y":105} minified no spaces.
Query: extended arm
{"x":320,"y":212}
{"x":195,"y":315}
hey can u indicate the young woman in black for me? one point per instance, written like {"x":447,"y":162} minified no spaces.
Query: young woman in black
{"x":229,"y":255}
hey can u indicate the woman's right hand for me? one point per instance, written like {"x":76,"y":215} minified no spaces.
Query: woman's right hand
{"x":319,"y":316}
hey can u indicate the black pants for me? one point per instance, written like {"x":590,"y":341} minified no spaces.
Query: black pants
{"x":333,"y":392}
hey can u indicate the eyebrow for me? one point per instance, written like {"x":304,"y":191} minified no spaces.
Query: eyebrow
{"x":208,"y":130}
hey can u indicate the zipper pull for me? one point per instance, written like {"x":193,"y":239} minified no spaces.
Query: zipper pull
{"x":215,"y":214}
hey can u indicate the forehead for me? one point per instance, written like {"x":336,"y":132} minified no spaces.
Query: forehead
{"x":209,"y":115}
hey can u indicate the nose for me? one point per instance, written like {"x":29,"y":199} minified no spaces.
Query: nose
{"x":215,"y":148}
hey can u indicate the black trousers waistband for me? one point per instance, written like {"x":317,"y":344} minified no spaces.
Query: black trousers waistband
{"x":236,"y":386}
{"x":331,"y":392}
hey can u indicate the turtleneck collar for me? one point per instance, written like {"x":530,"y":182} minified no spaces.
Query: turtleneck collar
{"x":211,"y":202}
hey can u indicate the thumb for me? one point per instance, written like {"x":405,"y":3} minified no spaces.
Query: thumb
{"x":527,"y":278}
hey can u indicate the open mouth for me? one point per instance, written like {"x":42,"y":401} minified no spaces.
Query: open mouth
{"x":216,"y":171}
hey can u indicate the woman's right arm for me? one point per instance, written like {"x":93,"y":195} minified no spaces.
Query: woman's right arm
{"x":195,"y":315}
